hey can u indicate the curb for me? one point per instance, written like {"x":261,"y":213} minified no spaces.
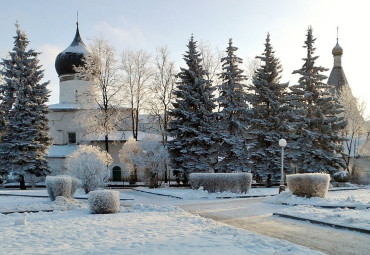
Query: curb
{"x":330,"y":206}
{"x":41,"y":196}
{"x":365,"y":231}
{"x":32,"y":211}
{"x":152,"y":193}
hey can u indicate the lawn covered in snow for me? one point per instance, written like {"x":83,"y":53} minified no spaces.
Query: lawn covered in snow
{"x":139,"y":229}
{"x":190,"y":194}
{"x":359,"y":198}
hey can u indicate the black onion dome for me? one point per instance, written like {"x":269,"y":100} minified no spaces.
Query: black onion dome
{"x":72,"y":56}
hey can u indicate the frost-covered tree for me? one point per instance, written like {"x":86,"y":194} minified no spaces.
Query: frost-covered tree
{"x":137,"y":75}
{"x":232,"y":121}
{"x":148,"y":155}
{"x":90,"y":165}
{"x":192,"y":148}
{"x":269,"y":114}
{"x":101,"y":68}
{"x":162,"y":90}
{"x":25,"y":142}
{"x":353,"y":112}
{"x":317,"y":121}
{"x":129,"y":149}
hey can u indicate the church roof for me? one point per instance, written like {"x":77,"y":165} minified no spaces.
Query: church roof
{"x":71,"y":56}
{"x":337,"y":78}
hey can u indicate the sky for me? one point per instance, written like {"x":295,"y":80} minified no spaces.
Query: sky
{"x":149,"y":24}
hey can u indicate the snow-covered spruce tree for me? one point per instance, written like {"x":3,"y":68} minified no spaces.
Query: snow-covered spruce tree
{"x":25,"y":142}
{"x":193,"y":125}
{"x":269,"y":114}
{"x":89,"y":164}
{"x":316,"y":118}
{"x":232,"y":124}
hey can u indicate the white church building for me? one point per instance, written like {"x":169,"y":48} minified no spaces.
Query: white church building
{"x":64,"y":124}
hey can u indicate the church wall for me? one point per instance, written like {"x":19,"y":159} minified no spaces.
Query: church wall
{"x":61,"y":123}
{"x":74,"y":91}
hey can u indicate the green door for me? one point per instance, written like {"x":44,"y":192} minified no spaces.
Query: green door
{"x":117,"y":175}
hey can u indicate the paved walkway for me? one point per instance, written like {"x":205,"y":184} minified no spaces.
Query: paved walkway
{"x":244,"y":214}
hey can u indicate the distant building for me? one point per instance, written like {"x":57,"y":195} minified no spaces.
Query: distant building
{"x":337,"y":77}
{"x":65,"y":129}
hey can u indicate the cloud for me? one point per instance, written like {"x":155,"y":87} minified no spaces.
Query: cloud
{"x":47,"y":60}
{"x":122,"y":35}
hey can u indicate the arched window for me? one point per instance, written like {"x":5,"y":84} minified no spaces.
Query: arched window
{"x":117,"y":174}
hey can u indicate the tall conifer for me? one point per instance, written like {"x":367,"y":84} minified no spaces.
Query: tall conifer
{"x":232,"y":124}
{"x":26,"y":137}
{"x":192,"y":128}
{"x":269,"y":114}
{"x":317,"y":123}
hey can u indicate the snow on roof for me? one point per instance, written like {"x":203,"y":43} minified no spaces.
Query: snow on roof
{"x":63,"y":106}
{"x":79,"y":48}
{"x":119,"y":136}
{"x":61,"y":151}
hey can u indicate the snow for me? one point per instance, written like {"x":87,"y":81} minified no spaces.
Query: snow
{"x":64,"y":106}
{"x":152,"y":224}
{"x":189,"y":194}
{"x":356,"y":198}
{"x":79,"y":48}
{"x":144,"y":229}
{"x":60,"y":151}
{"x":340,"y":216}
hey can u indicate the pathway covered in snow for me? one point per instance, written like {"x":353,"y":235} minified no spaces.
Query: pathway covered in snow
{"x":255,"y":215}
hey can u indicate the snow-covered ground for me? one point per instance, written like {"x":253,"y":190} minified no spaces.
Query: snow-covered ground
{"x":350,"y":198}
{"x":343,"y":217}
{"x":189,"y":194}
{"x":138,"y":229}
{"x":309,"y":208}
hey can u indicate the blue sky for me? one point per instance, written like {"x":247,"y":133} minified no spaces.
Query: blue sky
{"x":148,"y":24}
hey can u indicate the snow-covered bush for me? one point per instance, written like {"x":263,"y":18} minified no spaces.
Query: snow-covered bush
{"x":148,"y":156}
{"x":89,"y":164}
{"x":127,"y":152}
{"x":76,"y":183}
{"x":342,"y":176}
{"x":309,"y":184}
{"x":58,"y":186}
{"x":103,"y":201}
{"x":220,"y":182}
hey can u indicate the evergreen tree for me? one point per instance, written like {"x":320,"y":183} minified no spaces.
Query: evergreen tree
{"x":192,"y":127}
{"x":233,"y":115}
{"x":269,"y":114}
{"x":26,"y":139}
{"x":317,"y":121}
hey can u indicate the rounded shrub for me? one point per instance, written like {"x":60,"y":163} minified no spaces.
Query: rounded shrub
{"x":342,"y":176}
{"x":309,"y":184}
{"x":58,"y":186}
{"x":103,"y":201}
{"x":221,"y":182}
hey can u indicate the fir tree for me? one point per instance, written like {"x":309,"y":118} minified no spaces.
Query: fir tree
{"x":269,"y":114}
{"x":26,"y":139}
{"x":317,"y":123}
{"x":233,"y":115}
{"x":192,"y":127}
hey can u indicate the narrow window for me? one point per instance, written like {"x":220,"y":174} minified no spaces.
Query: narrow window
{"x":72,"y":138}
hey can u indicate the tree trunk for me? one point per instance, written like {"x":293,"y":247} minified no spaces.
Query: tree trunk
{"x":22,"y":183}
{"x":106,"y":143}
